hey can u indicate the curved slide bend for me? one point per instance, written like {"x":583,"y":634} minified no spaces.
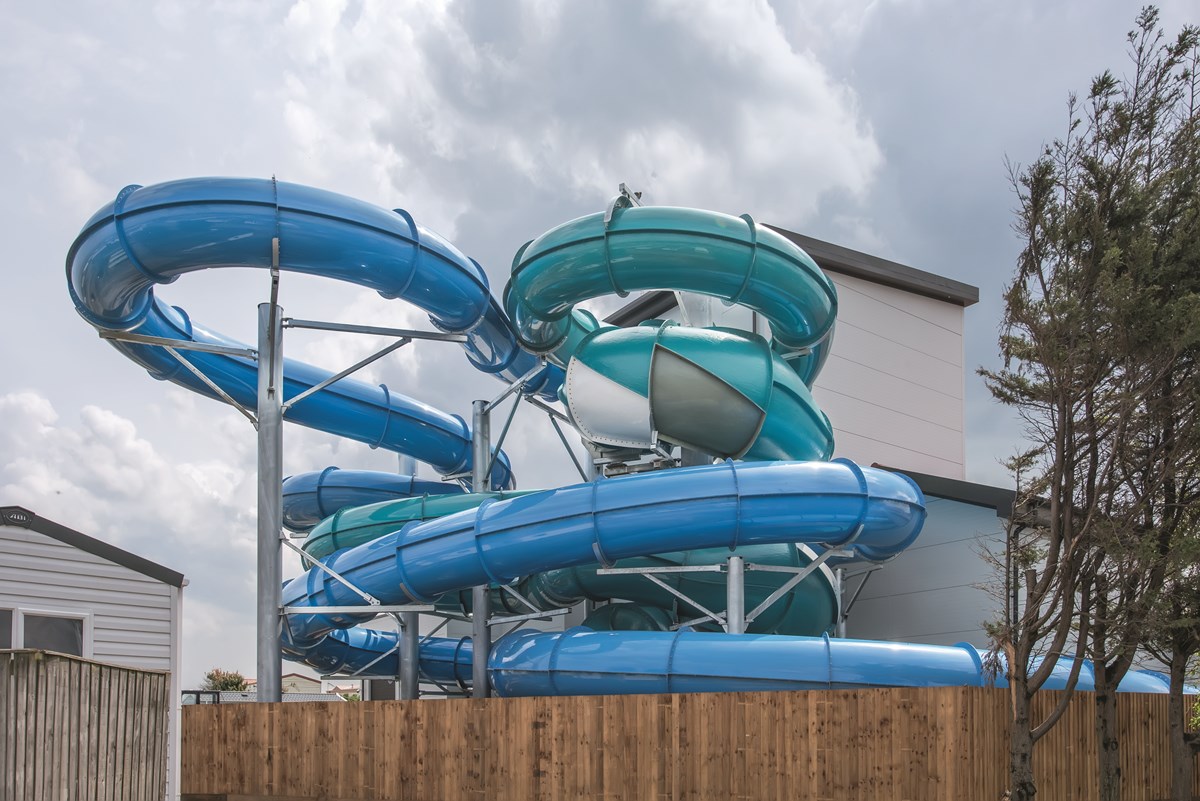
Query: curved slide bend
{"x":152,"y":235}
{"x":723,"y":392}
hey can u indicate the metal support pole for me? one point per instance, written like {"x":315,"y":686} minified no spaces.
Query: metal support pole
{"x":590,"y":472}
{"x":735,"y":596}
{"x":839,"y":584}
{"x":410,"y":641}
{"x":481,"y":641}
{"x":481,"y":638}
{"x":270,"y":500}
{"x":692,"y":458}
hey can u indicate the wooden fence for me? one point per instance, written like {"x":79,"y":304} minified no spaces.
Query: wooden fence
{"x":938,"y":744}
{"x":74,"y":729}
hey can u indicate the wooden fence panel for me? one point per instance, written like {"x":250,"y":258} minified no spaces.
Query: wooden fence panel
{"x":930,"y":744}
{"x":75,"y":729}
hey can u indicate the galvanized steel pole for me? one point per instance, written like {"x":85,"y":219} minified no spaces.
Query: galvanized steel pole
{"x":735,"y":596}
{"x":270,"y":500}
{"x":839,"y":579}
{"x":410,"y":655}
{"x":481,"y":639}
{"x":410,"y":624}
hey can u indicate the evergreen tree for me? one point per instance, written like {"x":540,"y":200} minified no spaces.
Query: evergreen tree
{"x":1100,"y":349}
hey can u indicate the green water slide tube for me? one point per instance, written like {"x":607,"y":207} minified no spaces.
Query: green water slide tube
{"x":724,"y":392}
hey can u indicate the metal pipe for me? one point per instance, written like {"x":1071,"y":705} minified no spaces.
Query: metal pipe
{"x":208,"y":382}
{"x":481,"y":639}
{"x":374,"y":330}
{"x":270,"y":502}
{"x":354,"y":368}
{"x":481,"y":436}
{"x":410,"y":655}
{"x":735,"y":596}
{"x":839,"y":588}
{"x":178,"y":344}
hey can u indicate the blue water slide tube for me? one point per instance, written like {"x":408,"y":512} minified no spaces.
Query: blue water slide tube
{"x":585,"y":662}
{"x":872,"y":512}
{"x":309,"y":498}
{"x":152,"y":235}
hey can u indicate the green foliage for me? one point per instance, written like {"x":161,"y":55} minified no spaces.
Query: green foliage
{"x":223,"y":680}
{"x":1101,"y":359}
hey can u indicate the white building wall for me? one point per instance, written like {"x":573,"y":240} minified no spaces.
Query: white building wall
{"x":893,"y":384}
{"x":940,"y":590}
{"x":128,"y":615}
{"x":129,"y":618}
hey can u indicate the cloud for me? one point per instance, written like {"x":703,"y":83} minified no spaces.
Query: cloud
{"x":552,"y":106}
{"x":96,"y":474}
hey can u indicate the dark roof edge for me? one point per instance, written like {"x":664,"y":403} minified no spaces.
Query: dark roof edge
{"x":838,"y":259}
{"x":955,"y":489}
{"x":23,"y":518}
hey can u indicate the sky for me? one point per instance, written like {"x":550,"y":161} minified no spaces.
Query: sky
{"x":882,"y":125}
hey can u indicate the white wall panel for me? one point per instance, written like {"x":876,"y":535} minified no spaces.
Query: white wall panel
{"x":937,"y":591}
{"x":893,"y":384}
{"x":130,"y":612}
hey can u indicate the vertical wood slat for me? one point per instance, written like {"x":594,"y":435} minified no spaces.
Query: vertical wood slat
{"x":899,"y":744}
{"x":73,"y":728}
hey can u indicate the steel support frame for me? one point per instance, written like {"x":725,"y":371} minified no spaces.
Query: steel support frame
{"x":735,"y":618}
{"x":481,"y":640}
{"x":267,"y":419}
{"x":270,"y":502}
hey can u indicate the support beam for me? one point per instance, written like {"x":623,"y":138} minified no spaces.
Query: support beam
{"x":270,"y":502}
{"x":735,"y":596}
{"x":481,"y":641}
{"x":839,"y":585}
{"x":410,"y":642}
{"x":481,"y":638}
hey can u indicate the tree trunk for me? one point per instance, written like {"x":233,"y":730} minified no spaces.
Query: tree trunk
{"x":1181,"y":750}
{"x":1020,"y":749}
{"x":1108,"y":752}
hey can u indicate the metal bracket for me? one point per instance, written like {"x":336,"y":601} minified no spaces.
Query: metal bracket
{"x":515,"y":386}
{"x":354,"y":368}
{"x":370,"y":599}
{"x":173,"y":346}
{"x":566,"y":445}
{"x":208,"y":382}
{"x":866,"y":576}
{"x":356,"y":610}
{"x":799,"y":574}
{"x":500,"y":621}
{"x":642,"y":571}
{"x":178,"y":344}
{"x":317,"y":325}
{"x":625,"y":198}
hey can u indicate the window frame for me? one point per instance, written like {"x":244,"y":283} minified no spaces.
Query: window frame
{"x":12,"y":625}
{"x":20,"y":612}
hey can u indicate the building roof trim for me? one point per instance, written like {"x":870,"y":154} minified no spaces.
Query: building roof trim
{"x":831,"y":258}
{"x":838,"y":259}
{"x":19,"y":517}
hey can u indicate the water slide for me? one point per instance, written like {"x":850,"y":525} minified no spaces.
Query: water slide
{"x":771,"y":493}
